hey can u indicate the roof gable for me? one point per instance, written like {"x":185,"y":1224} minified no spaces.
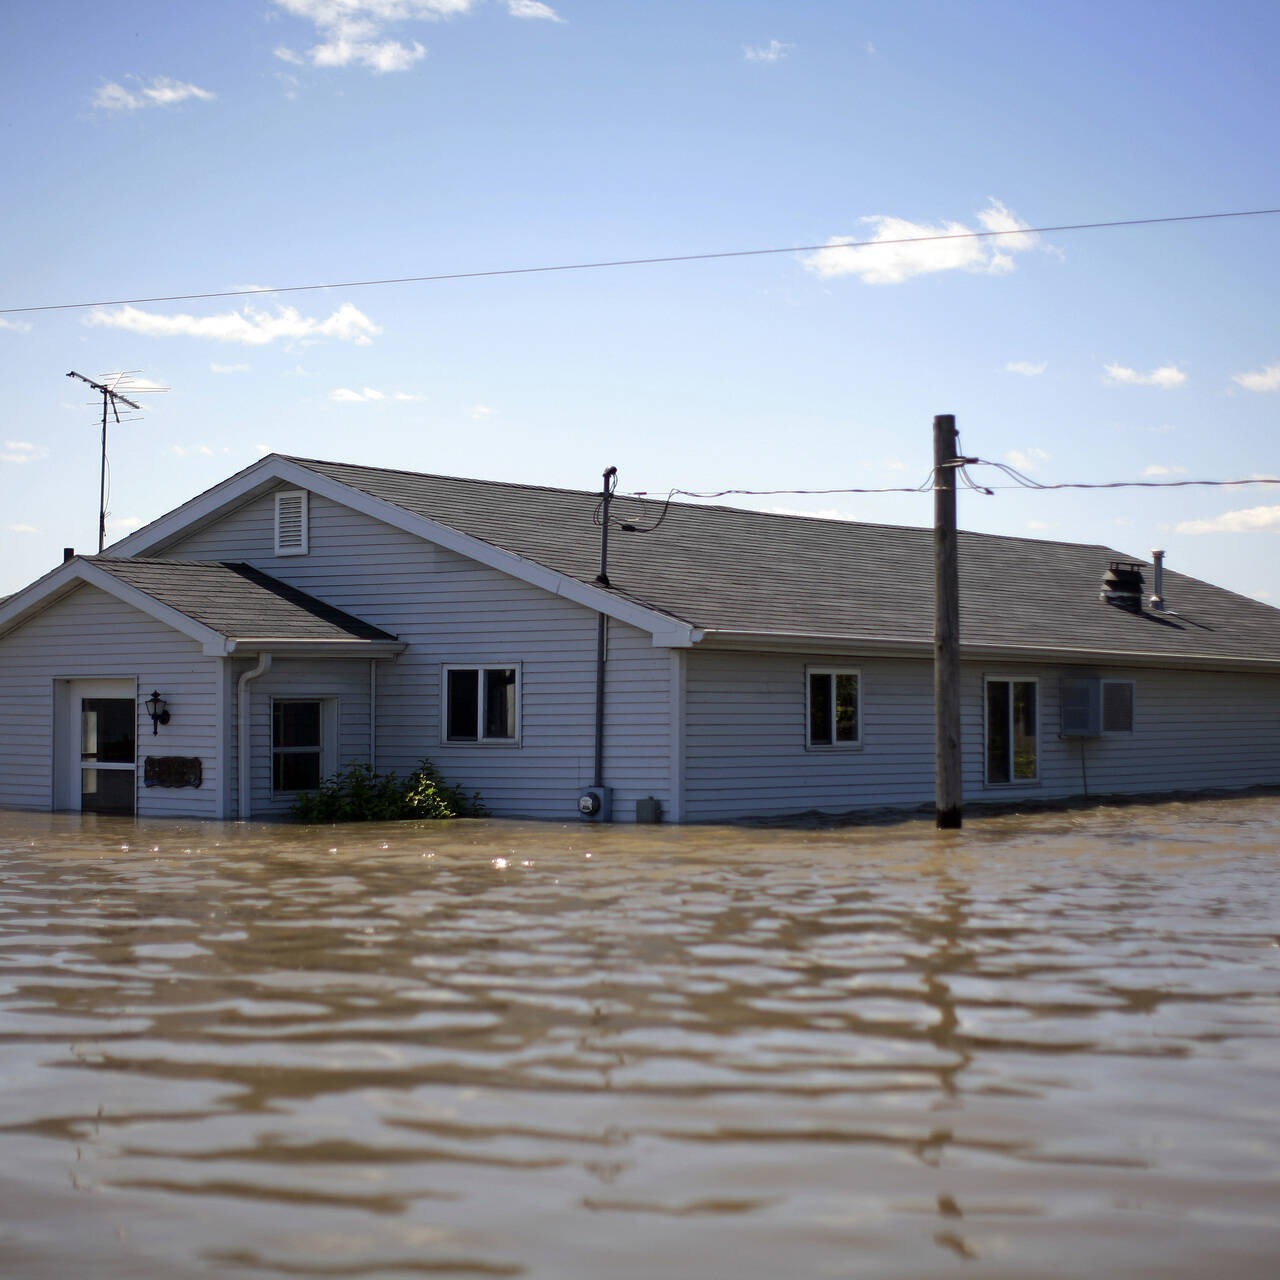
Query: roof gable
{"x":225,"y":608}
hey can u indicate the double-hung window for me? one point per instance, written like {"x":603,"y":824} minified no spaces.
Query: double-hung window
{"x":299,"y":729}
{"x":834,"y":707}
{"x":482,"y":703}
{"x":1012,"y":730}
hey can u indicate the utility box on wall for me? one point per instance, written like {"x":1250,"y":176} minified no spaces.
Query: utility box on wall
{"x":595,"y":804}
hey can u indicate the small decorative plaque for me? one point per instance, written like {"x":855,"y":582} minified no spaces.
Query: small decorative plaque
{"x":172,"y":771}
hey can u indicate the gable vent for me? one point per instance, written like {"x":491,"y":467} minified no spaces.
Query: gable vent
{"x":291,"y":523}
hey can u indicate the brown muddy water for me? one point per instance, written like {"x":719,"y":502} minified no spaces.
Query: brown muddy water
{"x":1044,"y":1046}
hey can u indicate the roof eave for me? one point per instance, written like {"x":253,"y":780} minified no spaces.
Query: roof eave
{"x":903,"y":647}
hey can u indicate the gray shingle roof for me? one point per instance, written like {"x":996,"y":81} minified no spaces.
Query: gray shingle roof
{"x":238,"y":601}
{"x":727,"y":569}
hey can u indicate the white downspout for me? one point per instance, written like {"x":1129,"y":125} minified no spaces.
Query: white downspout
{"x":373,"y":714}
{"x":244,"y":762}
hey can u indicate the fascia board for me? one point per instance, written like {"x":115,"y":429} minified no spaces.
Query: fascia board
{"x":44,"y":593}
{"x":1029,"y":654}
{"x":283,"y":647}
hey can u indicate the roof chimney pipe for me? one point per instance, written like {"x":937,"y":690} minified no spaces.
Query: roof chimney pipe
{"x":1122,"y":585}
{"x":1157,"y":587}
{"x":68,"y":553}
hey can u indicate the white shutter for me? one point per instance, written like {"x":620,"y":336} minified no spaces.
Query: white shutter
{"x":291,"y":523}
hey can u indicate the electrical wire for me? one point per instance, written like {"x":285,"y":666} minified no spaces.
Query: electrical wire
{"x":642,"y":262}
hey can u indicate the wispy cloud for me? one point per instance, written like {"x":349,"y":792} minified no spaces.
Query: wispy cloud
{"x":229,"y":368}
{"x":125,"y":524}
{"x":1026,"y":368}
{"x":1267,"y":379}
{"x":532,"y":9}
{"x":1248,"y":520}
{"x":249,"y":325}
{"x":1166,"y":376}
{"x":161,"y":92}
{"x":478,"y":411}
{"x":774,"y":51}
{"x":885,"y":262}
{"x":18,"y":326}
{"x":21,"y":451}
{"x":1027,"y":459}
{"x":351,"y":31}
{"x":1157,"y":469}
{"x":22,"y":528}
{"x":345,"y":395}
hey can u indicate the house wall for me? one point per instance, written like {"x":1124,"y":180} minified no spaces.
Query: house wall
{"x":450,"y":609}
{"x":746,"y":750}
{"x":89,"y":634}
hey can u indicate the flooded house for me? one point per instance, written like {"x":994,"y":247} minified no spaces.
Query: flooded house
{"x":722,"y":663}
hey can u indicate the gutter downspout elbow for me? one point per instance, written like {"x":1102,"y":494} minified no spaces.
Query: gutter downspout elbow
{"x":243,"y":761}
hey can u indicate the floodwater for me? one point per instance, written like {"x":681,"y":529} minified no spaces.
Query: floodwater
{"x":1045,"y":1046}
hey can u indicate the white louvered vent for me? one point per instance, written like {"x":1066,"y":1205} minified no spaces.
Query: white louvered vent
{"x":291,"y":523}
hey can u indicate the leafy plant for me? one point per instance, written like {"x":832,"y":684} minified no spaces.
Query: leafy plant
{"x":359,"y":794}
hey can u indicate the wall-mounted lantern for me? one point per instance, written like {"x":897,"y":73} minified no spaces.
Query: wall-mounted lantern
{"x":158,"y":710}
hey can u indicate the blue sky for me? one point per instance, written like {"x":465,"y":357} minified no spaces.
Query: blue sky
{"x":156,"y":149}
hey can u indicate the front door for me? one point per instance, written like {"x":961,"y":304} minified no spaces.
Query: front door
{"x":101,"y":763}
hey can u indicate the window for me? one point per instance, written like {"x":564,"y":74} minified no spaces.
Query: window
{"x":1011,"y":730}
{"x":1090,"y":706}
{"x":1117,"y":706}
{"x":834,"y":710}
{"x":297,"y":744}
{"x":291,"y":522}
{"x":482,"y":704}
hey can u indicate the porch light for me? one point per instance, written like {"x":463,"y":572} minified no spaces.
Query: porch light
{"x":158,"y":710}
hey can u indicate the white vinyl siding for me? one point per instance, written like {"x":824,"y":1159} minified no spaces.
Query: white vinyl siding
{"x":452,"y":611}
{"x":89,"y":634}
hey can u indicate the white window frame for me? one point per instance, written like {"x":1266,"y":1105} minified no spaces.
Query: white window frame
{"x":1011,"y":680}
{"x":849,"y":744}
{"x":328,"y":737}
{"x":480,"y":668}
{"x":1102,"y":710}
{"x":303,"y":544}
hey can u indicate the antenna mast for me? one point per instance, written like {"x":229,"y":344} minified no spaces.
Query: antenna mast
{"x":110,"y":397}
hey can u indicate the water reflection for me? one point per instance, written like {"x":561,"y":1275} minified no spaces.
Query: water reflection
{"x":1045,"y":1046}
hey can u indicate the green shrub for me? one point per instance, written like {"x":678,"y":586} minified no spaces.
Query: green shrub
{"x":358,"y":794}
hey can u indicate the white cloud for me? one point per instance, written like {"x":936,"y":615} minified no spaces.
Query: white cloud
{"x":250,"y":326}
{"x":1249,"y":520}
{"x":230,"y":368}
{"x":1166,"y":376}
{"x":1155,"y":469}
{"x":21,"y":451}
{"x":125,"y":524}
{"x":347,"y":396}
{"x":479,"y":411}
{"x":532,"y":9}
{"x":1027,"y":459}
{"x":18,"y":326}
{"x":886,"y":262}
{"x":161,"y":92}
{"x":1026,"y":368}
{"x":1039,"y":524}
{"x":22,"y":528}
{"x":350,"y":30}
{"x":262,"y":450}
{"x":1267,"y":379}
{"x":774,"y":51}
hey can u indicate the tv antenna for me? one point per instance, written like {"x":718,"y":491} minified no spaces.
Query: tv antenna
{"x":112,"y":388}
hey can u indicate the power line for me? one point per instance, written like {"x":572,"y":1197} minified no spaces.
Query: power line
{"x":639,"y":262}
{"x":1020,"y":482}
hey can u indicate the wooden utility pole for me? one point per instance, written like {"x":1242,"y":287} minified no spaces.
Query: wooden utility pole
{"x":946,"y":626}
